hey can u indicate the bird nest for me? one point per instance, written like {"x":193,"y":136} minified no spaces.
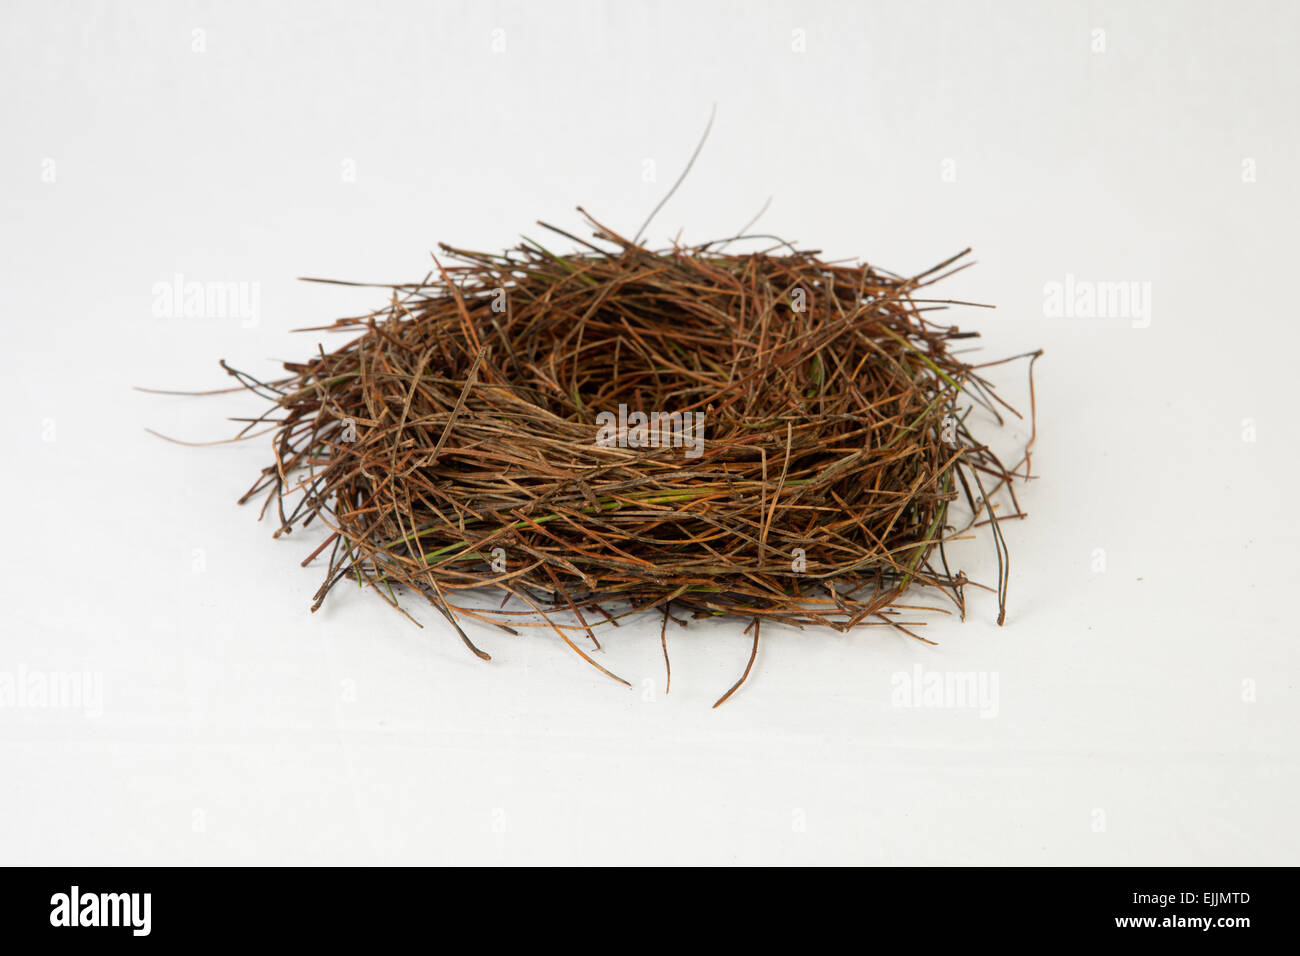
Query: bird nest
{"x":598,"y":434}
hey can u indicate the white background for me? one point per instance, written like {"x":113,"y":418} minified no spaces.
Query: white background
{"x":237,"y":727}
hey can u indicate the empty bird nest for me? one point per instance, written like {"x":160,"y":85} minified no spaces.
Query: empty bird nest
{"x":563,"y":441}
